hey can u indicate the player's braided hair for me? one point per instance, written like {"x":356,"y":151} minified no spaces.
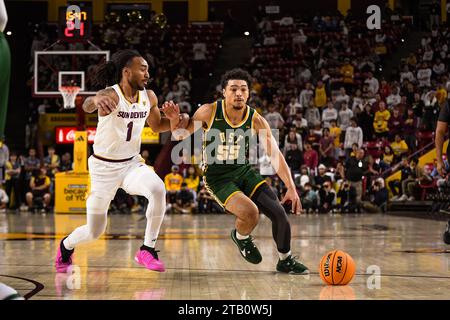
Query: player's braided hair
{"x":110,"y":72}
{"x":236,"y":74}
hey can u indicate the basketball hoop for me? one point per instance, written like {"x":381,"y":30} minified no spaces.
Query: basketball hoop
{"x":69,"y":94}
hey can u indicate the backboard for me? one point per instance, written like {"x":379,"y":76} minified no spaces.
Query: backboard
{"x":53,"y":69}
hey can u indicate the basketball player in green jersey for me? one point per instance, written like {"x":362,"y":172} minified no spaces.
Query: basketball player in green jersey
{"x":229,"y":176}
{"x":5,"y":69}
{"x":6,"y":293}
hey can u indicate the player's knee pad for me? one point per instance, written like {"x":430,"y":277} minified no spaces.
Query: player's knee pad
{"x":97,"y":203}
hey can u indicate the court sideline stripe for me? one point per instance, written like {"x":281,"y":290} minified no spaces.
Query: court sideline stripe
{"x":38,"y":286}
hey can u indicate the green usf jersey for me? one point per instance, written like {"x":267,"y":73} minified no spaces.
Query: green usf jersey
{"x":226,"y":146}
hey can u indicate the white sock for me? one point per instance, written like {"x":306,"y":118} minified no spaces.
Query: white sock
{"x":240,"y":236}
{"x":283,"y":256}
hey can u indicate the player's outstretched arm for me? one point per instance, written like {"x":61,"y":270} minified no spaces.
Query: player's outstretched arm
{"x":159,"y":124}
{"x":105,"y":101}
{"x":201,"y":118}
{"x":441,"y":130}
{"x":278,"y":162}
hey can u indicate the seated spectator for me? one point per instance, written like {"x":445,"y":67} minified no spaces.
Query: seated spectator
{"x":411,"y":173}
{"x":312,"y":115}
{"x":393,"y":99}
{"x":336,"y":133}
{"x":378,"y":196}
{"x":300,"y":123}
{"x":424,"y":75}
{"x":313,"y":138}
{"x":410,"y":128}
{"x":321,"y":176}
{"x":372,"y":82}
{"x":395,"y":124}
{"x":294,"y":157}
{"x":40,"y":188}
{"x":293,"y":137}
{"x":326,"y":148}
{"x":184,"y":200}
{"x":123,"y":203}
{"x":4,"y":199}
{"x":291,"y":109}
{"x":13,"y":188}
{"x":173,"y":183}
{"x":387,"y":158}
{"x":51,"y":162}
{"x":303,"y":178}
{"x":396,"y":185}
{"x":327,"y":197}
{"x":31,"y":164}
{"x":310,"y":157}
{"x":347,"y":194}
{"x":274,"y":118}
{"x":342,"y":97}
{"x":206,"y":203}
{"x":66,"y":162}
{"x":399,"y":147}
{"x":309,"y":198}
{"x":431,"y":110}
{"x":192,"y":181}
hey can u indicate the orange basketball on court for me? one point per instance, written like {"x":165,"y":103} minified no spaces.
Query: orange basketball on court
{"x":337,"y":268}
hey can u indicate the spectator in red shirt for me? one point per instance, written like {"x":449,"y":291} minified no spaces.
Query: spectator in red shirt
{"x":327,"y":148}
{"x":395,"y":124}
{"x":385,"y":90}
{"x":313,"y":139}
{"x":310,"y":157}
{"x":409,"y":129}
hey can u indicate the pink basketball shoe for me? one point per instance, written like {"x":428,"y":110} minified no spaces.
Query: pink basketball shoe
{"x":62,"y":266}
{"x":149,"y":259}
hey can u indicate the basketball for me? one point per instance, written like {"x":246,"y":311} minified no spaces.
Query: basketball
{"x":337,"y":268}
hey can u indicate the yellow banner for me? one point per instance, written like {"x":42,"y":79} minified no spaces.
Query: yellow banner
{"x":80,"y":152}
{"x":71,"y":190}
{"x":149,"y":137}
{"x":49,"y":121}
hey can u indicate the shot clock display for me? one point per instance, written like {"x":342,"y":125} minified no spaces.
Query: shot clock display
{"x":75,"y":25}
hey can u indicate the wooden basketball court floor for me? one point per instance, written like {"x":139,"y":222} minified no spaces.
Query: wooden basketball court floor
{"x":203,"y":263}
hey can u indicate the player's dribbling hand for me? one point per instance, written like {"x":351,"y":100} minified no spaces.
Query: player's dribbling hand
{"x":441,"y":168}
{"x":184,"y":121}
{"x":171,"y":110}
{"x":105,"y":104}
{"x":292,"y":196}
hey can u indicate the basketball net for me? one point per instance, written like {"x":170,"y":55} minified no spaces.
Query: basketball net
{"x":69,"y":94}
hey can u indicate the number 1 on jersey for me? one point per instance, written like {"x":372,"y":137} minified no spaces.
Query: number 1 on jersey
{"x":130,"y":129}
